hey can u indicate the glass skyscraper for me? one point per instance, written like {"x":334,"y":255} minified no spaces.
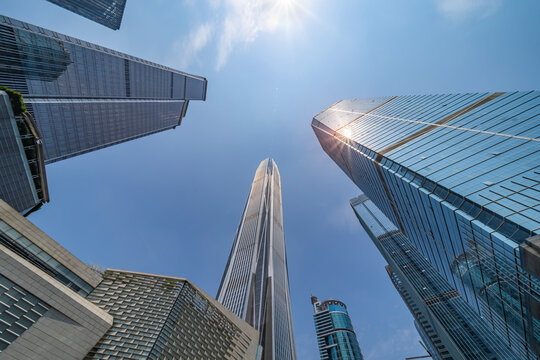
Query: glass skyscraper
{"x":434,"y":345}
{"x":104,"y":12}
{"x":335,"y":334}
{"x":255,"y":284}
{"x":460,"y":330}
{"x":458,"y":175}
{"x":82,"y":97}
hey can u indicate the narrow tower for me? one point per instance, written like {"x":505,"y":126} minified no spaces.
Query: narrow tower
{"x":255,"y":284}
{"x":335,"y":333}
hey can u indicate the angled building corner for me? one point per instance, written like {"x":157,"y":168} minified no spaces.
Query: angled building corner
{"x":458,"y":176}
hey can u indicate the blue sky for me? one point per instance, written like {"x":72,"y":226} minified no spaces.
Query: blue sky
{"x":170,"y":203}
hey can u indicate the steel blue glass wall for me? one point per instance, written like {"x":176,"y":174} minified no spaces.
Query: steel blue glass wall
{"x":459,"y":176}
{"x":335,"y":334}
{"x":104,"y":12}
{"x":427,"y":332}
{"x":464,"y":334}
{"x":255,"y":283}
{"x":84,"y":97}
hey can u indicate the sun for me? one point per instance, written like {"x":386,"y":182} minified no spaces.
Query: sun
{"x":286,"y":13}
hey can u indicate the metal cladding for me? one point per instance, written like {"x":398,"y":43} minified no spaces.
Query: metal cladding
{"x":255,"y":284}
{"x":163,"y":317}
{"x":105,"y":12}
{"x":458,"y":175}
{"x":335,"y":334}
{"x":85,"y":97}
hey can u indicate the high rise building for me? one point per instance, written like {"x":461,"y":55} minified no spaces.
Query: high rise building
{"x":460,"y":330}
{"x":458,"y":175}
{"x":80,"y":97}
{"x":104,"y":12}
{"x":163,"y":317}
{"x":335,"y":334}
{"x":432,"y":341}
{"x":255,"y":284}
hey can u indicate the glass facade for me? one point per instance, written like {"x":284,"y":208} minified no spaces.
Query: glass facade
{"x":427,"y":332}
{"x":104,"y":12}
{"x":158,"y":317}
{"x":255,"y":284}
{"x":16,"y":183}
{"x":335,"y":334}
{"x":19,"y":310}
{"x":84,"y":97}
{"x":459,"y":176}
{"x":13,"y":240}
{"x":462,"y":332}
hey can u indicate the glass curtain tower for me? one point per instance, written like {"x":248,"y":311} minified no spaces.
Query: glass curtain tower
{"x":335,"y":333}
{"x":255,"y":284}
{"x":461,"y":331}
{"x":459,"y":176}
{"x":105,"y":12}
{"x":81,"y":97}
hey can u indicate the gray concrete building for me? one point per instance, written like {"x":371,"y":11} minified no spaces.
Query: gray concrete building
{"x":43,"y":310}
{"x":53,"y":306}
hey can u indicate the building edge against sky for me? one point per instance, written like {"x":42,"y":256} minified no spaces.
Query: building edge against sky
{"x":105,"y":12}
{"x":255,"y":283}
{"x":458,"y":175}
{"x":431,"y":340}
{"x":462,"y":332}
{"x":335,"y":333}
{"x":79,"y":97}
{"x":52,"y":306}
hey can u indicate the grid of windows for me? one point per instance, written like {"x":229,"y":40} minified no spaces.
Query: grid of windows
{"x":253,"y":287}
{"x":434,"y":344}
{"x":105,"y":12}
{"x":16,"y":184}
{"x":462,"y":331}
{"x":335,"y":334}
{"x":19,"y":310}
{"x":163,"y":318}
{"x":77,"y":91}
{"x":459,"y":175}
{"x":13,"y":240}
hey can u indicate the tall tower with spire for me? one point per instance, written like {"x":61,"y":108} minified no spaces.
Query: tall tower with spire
{"x":255,"y":284}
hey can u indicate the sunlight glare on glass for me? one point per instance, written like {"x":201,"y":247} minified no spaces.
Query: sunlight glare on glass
{"x":346,"y":132}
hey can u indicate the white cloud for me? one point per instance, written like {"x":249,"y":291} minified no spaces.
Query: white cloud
{"x":459,"y":9}
{"x":240,"y":23}
{"x":195,"y":42}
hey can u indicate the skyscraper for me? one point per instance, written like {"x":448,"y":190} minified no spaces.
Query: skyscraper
{"x":434,"y":345}
{"x":335,"y":334}
{"x":255,"y":284}
{"x":460,"y":330}
{"x":169,"y":318}
{"x":81,"y":97}
{"x":105,"y":12}
{"x":458,"y":175}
